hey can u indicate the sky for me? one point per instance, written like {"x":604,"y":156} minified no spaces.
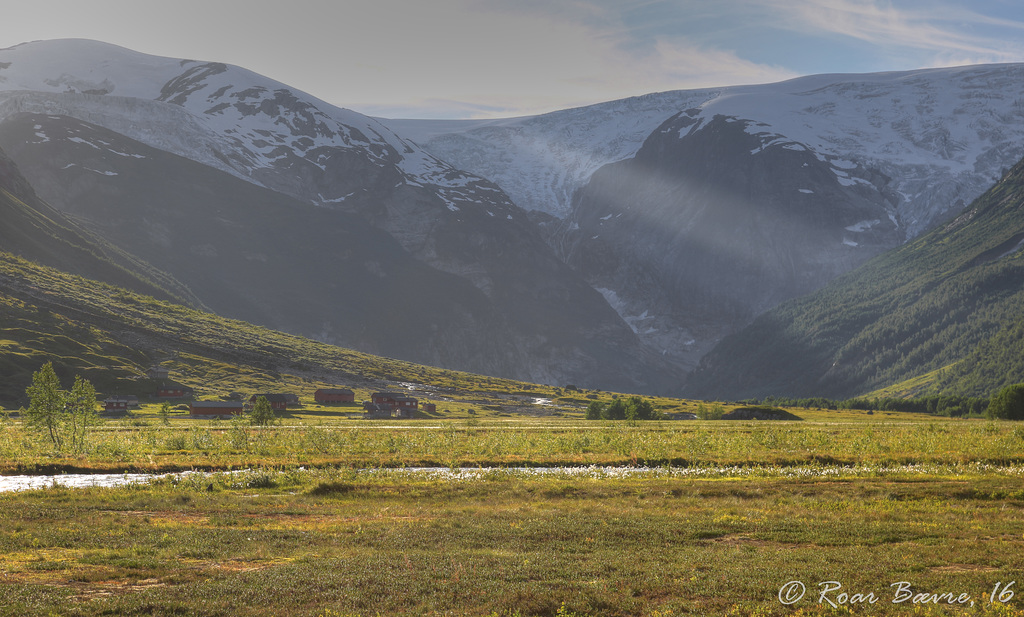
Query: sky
{"x":504,"y":58}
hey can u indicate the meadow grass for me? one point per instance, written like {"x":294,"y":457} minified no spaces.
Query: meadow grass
{"x":145,"y":444}
{"x":348,"y":542}
{"x":708,"y":518}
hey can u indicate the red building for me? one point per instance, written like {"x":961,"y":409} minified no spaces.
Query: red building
{"x":278,"y":402}
{"x":334,"y":395}
{"x":169,"y":389}
{"x":215,"y":408}
{"x":117,"y":403}
{"x":401,"y":406}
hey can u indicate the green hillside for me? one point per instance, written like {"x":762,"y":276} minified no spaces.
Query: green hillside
{"x":946,"y":311}
{"x":111,"y":336}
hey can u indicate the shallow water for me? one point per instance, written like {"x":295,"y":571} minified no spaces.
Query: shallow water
{"x":75,"y":480}
{"x":20,"y":483}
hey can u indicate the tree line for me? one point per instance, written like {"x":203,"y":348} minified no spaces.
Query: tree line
{"x":632,"y":408}
{"x":938,"y":405}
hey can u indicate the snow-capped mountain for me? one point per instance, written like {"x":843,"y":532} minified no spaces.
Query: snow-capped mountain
{"x":942,"y":135}
{"x":223,"y":116}
{"x":546,"y":323}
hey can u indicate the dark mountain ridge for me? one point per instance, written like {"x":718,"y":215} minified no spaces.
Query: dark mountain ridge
{"x":33,"y":230}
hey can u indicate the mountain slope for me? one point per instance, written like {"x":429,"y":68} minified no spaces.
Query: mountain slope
{"x":546,"y":324}
{"x":111,"y":336}
{"x":950,"y":304}
{"x":32,"y":229}
{"x":253,"y":254}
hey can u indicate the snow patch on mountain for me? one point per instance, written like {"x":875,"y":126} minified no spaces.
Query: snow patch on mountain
{"x":862,"y":226}
{"x":640,"y":324}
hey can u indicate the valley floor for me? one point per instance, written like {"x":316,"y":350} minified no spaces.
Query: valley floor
{"x":764,"y":519}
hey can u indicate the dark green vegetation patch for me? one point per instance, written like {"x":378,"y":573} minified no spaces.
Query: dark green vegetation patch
{"x":947,"y":309}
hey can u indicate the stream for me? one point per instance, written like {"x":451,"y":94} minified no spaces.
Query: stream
{"x":240,"y":477}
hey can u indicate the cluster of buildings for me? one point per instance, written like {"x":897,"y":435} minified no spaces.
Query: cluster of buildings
{"x":380,"y":405}
{"x":391,"y":404}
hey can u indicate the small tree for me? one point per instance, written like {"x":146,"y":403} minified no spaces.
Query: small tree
{"x":715,"y":413}
{"x":165,"y":413}
{"x":46,"y":404}
{"x":641,"y":409}
{"x":615,"y":411}
{"x":262,"y":413}
{"x":632,"y":409}
{"x":63,"y":416}
{"x":80,"y":413}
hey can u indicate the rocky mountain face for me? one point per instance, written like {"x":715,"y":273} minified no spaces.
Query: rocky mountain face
{"x":713,"y":222}
{"x":251,"y":253}
{"x":341,"y":231}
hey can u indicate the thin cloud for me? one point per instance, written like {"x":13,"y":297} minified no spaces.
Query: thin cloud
{"x":940,"y":30}
{"x":541,"y":57}
{"x":691,"y":66}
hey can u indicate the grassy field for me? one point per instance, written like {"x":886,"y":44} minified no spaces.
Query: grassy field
{"x":329,"y":438}
{"x":708,"y":518}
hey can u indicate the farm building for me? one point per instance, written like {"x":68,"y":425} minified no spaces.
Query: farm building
{"x":373,"y":411}
{"x":334,"y":395}
{"x":158,"y":372}
{"x":407,"y":407}
{"x":215,"y":408}
{"x":429,"y":407}
{"x":169,"y":389}
{"x":278,"y":402}
{"x":119,"y":403}
{"x":388,"y":404}
{"x":401,"y":406}
{"x":394,"y":401}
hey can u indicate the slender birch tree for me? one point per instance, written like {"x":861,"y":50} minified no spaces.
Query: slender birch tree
{"x":63,"y":416}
